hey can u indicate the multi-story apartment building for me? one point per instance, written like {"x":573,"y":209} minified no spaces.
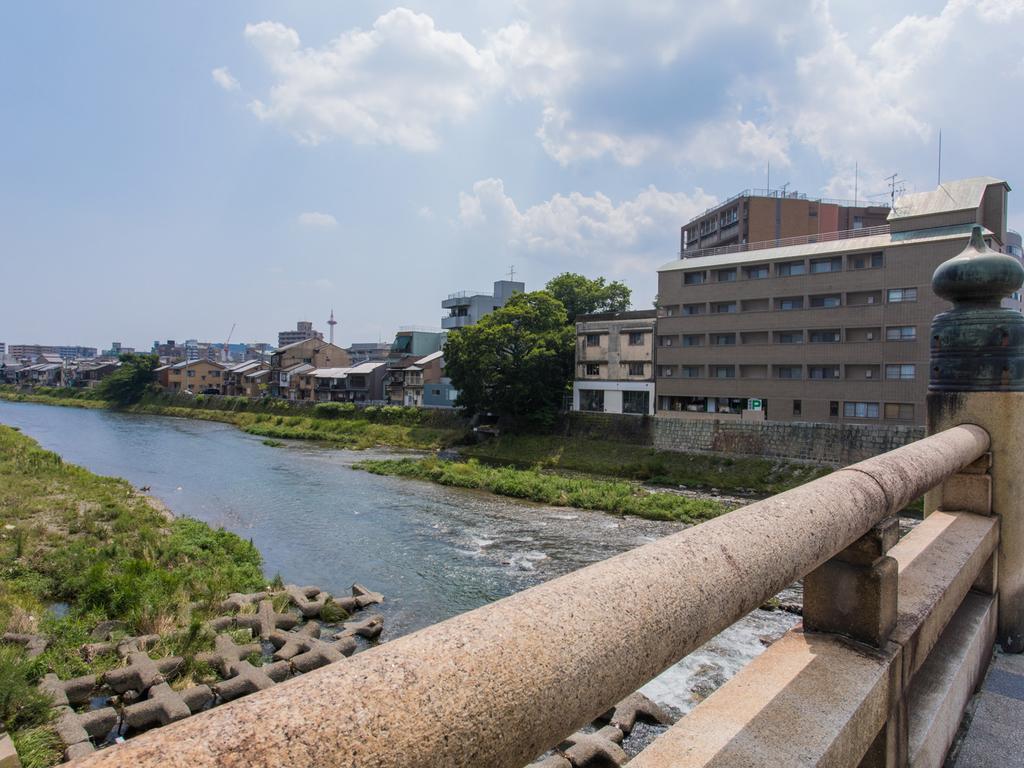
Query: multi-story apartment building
{"x":763,"y":215}
{"x":467,"y":307}
{"x":615,"y":363}
{"x":34,"y":351}
{"x":818,"y":331}
{"x":303,"y":330}
{"x":195,"y":376}
{"x":368,"y":351}
{"x":300,"y":357}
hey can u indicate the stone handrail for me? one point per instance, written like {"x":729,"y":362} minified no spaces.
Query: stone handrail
{"x":499,"y":685}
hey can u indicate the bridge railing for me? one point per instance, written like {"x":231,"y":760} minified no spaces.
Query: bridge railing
{"x":499,"y":685}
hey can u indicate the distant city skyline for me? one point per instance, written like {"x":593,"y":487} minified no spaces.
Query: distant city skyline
{"x":171,"y":169}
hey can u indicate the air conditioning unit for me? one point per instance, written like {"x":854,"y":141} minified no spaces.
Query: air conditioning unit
{"x":871,"y":336}
{"x":868,"y":374}
{"x":871,"y":299}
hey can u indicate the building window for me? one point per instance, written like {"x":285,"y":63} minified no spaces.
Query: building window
{"x":790,"y":268}
{"x":789,"y":337}
{"x":666,"y":370}
{"x":788,"y":372}
{"x":693,"y":340}
{"x":901,"y":333}
{"x":833,"y":408}
{"x":690,"y":371}
{"x":636,"y":338}
{"x":823,"y":372}
{"x":866,"y":261}
{"x":593,"y":340}
{"x":665,"y":341}
{"x":721,"y":307}
{"x":723,"y":339}
{"x":793,"y":302}
{"x":897,"y":295}
{"x":860,"y":410}
{"x":636,"y":369}
{"x":668,"y":311}
{"x":693,"y":278}
{"x":693,"y":309}
{"x":593,"y":369}
{"x":819,"y":266}
{"x":723,"y":372}
{"x":636,"y":402}
{"x":829,"y":336}
{"x":828,"y":302}
{"x":899,"y":411}
{"x":760,"y":272}
{"x":592,"y":400}
{"x":191,"y":374}
{"x":905,"y":371}
{"x":797,"y":407}
{"x":727,"y":275}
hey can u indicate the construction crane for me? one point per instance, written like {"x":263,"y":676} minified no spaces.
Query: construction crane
{"x":224,"y":352}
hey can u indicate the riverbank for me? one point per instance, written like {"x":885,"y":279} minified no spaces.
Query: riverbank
{"x":739,"y":475}
{"x":333,"y":423}
{"x":98,"y":550}
{"x":619,"y":497}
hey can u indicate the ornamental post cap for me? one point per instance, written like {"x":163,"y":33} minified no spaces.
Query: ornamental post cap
{"x":978,"y":276}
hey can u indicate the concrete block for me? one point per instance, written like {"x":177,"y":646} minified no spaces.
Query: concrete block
{"x":872,"y":545}
{"x":8,"y":755}
{"x":945,"y":683}
{"x":858,"y":601}
{"x":968,"y":492}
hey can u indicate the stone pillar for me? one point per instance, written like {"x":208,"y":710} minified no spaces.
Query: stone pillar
{"x":977,"y":377}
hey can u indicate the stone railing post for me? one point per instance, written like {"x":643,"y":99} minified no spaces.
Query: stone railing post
{"x":977,"y":377}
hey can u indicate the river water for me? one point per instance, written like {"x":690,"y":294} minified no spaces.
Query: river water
{"x":433,"y":551}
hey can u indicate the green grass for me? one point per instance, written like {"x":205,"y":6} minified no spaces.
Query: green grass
{"x":732,"y":474}
{"x":94,"y":543}
{"x":620,"y":497}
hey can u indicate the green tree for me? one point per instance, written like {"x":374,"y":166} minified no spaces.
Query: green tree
{"x":581,"y":296}
{"x":516,"y":362}
{"x":128,"y":383}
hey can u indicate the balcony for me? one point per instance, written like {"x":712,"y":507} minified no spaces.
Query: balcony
{"x":458,"y":321}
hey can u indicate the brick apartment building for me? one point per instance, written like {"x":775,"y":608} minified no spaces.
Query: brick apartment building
{"x":762,"y":215}
{"x":817,"y":331}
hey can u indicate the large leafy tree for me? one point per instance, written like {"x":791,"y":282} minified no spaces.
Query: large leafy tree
{"x":516,"y":362}
{"x":581,"y":296}
{"x":129,"y":382}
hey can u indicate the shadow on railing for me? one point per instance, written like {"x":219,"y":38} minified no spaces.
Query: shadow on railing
{"x":499,"y":685}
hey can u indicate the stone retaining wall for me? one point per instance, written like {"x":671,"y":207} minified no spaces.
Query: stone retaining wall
{"x":822,"y":443}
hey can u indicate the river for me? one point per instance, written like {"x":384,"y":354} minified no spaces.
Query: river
{"x":433,"y":551}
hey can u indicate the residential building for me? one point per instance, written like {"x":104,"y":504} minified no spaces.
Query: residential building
{"x":3,"y":349}
{"x":195,"y":376}
{"x":361,"y":383}
{"x":48,"y":373}
{"x":367,"y":352}
{"x":414,"y":341}
{"x":818,"y":331}
{"x":89,"y":374}
{"x":117,"y":349}
{"x":287,"y":361}
{"x":9,"y":368}
{"x":237,"y":379}
{"x":34,"y":351}
{"x":467,"y":307}
{"x":303,"y":330}
{"x":1013,"y":247}
{"x":168,"y":352}
{"x":762,"y":215}
{"x":615,"y":363}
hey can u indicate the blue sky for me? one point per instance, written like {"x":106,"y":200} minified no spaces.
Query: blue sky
{"x":168,"y":169}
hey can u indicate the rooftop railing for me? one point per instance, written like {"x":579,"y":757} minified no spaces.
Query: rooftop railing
{"x":822,"y":237}
{"x":786,"y":195}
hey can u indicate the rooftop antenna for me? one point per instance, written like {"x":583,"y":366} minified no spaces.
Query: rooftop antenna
{"x":856,"y":178}
{"x":896,"y":186}
{"x":332,"y":322}
{"x":938,"y":175}
{"x":511,"y":272}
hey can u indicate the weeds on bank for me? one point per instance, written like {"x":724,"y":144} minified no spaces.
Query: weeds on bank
{"x":534,"y":485}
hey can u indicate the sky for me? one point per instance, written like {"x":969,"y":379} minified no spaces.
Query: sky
{"x":170,"y":169}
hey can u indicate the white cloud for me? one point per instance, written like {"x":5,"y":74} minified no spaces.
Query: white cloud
{"x":567,"y":146}
{"x":317,"y":220}
{"x":641,"y":231}
{"x":425,"y":212}
{"x":223,"y":77}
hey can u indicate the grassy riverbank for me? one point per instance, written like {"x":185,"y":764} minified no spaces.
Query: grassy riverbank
{"x":620,"y":497}
{"x":731,"y":474}
{"x":388,"y":426}
{"x":93,"y":543}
